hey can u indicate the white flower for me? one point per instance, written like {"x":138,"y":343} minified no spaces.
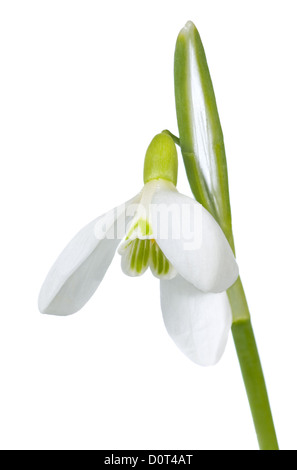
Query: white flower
{"x":181,"y":243}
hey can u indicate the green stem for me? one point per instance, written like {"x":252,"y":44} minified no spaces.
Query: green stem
{"x":175,"y":139}
{"x":251,"y":368}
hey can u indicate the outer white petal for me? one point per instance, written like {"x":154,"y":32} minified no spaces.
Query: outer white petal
{"x":198,"y":323}
{"x":193,"y":241}
{"x":81,"y":266}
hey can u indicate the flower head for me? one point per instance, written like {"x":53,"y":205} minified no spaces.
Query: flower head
{"x":169,"y":233}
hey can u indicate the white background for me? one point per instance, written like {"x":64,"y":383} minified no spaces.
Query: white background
{"x":84,"y":87}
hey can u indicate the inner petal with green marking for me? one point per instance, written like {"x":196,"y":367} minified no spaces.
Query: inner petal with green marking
{"x":138,"y":255}
{"x":139,"y":249}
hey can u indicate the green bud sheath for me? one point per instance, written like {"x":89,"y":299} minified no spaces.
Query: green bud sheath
{"x":200,"y":132}
{"x":161,"y":160}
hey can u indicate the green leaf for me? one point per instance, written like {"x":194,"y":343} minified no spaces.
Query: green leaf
{"x":201,"y":137}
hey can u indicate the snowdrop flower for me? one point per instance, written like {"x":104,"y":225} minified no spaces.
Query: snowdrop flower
{"x":169,"y":233}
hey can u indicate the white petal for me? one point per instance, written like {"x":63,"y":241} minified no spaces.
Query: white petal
{"x":81,"y":266}
{"x":193,"y":241}
{"x":198,"y":323}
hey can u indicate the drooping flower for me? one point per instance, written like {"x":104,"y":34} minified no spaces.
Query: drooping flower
{"x":169,"y":233}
